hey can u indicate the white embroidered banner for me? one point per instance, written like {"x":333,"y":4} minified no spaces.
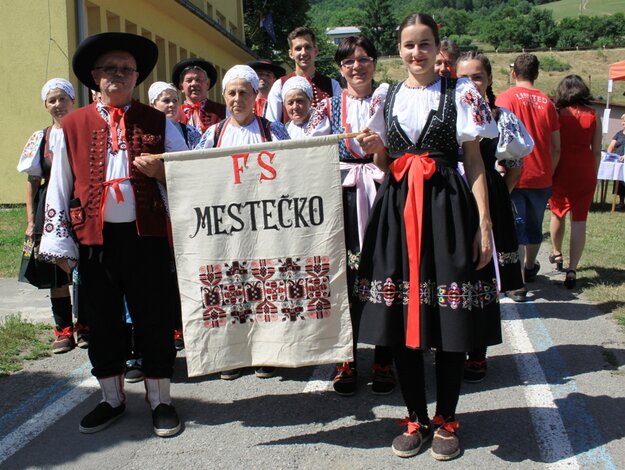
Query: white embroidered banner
{"x":260,"y":255}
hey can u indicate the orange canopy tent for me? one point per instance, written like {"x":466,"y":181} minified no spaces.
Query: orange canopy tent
{"x":617,"y":70}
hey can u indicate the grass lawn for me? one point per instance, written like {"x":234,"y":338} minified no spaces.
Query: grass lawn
{"x":569,"y":8}
{"x":12,"y":226}
{"x":20,"y":341}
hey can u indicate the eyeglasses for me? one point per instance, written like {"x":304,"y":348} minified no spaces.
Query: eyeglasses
{"x":361,"y":61}
{"x":114,"y":70}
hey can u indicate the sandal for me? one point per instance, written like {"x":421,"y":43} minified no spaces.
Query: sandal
{"x":557,"y":260}
{"x":570,"y":279}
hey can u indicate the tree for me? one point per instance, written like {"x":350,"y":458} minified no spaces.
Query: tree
{"x":286,"y":17}
{"x":380,"y":25}
{"x":347,"y":17}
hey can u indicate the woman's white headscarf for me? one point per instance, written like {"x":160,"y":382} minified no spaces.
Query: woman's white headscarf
{"x":157,"y":88}
{"x":297,"y":83}
{"x":59,"y":83}
{"x":244,"y":72}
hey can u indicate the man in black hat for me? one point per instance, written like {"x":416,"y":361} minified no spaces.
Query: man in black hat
{"x":107,"y":196}
{"x":195,"y":77}
{"x":268,"y":72}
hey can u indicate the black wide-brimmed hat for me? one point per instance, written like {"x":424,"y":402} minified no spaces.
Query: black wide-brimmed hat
{"x":142,"y":49}
{"x":210,"y":70}
{"x":266,"y":64}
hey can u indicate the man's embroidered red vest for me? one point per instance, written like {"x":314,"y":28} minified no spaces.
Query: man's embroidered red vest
{"x":86,"y":136}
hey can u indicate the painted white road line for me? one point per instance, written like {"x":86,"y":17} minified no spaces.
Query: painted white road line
{"x":46,"y":417}
{"x":552,"y":438}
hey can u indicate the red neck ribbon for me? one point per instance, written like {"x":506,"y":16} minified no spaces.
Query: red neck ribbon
{"x":117,"y":119}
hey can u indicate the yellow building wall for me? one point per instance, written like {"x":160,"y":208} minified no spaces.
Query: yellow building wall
{"x":177,"y":31}
{"x":34,"y":43}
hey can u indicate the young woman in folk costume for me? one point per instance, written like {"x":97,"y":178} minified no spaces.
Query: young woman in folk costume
{"x":242,"y":127}
{"x":505,"y":151}
{"x":57,"y":95}
{"x":428,"y":235}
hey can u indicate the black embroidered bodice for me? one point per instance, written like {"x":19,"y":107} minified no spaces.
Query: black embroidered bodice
{"x":438,"y":136}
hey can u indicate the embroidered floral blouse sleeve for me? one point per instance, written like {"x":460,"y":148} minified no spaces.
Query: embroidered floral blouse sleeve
{"x":319,"y":122}
{"x":274,"y":102}
{"x":58,"y":238}
{"x":514,"y":140}
{"x":278,"y":131}
{"x":474,"y":117}
{"x":207,"y":141}
{"x":193,"y":135}
{"x":376,"y":112}
{"x":30,"y":160}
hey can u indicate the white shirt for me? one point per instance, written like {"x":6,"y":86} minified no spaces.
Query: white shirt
{"x":233,"y":135}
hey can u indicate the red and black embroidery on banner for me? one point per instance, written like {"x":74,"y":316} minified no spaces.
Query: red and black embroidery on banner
{"x":265,"y":290}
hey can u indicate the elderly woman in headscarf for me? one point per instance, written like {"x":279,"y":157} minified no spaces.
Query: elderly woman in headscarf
{"x":304,"y":119}
{"x":57,"y":96}
{"x":242,"y":126}
{"x":164,"y":97}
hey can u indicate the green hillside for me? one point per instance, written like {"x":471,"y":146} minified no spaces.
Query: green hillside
{"x":568,"y":8}
{"x":591,"y":65}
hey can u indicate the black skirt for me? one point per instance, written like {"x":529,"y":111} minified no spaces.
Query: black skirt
{"x":504,"y":232}
{"x":39,"y":273}
{"x":459,"y":305}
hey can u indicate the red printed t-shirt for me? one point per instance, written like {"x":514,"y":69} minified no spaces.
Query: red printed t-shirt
{"x":539,"y":115}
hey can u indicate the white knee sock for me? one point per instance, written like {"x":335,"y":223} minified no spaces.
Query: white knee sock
{"x":157,"y":391}
{"x":113,"y":390}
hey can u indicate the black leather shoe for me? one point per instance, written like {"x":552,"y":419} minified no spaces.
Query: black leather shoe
{"x":101,"y":417}
{"x":165,"y":420}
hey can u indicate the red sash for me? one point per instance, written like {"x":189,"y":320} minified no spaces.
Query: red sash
{"x":419,"y":168}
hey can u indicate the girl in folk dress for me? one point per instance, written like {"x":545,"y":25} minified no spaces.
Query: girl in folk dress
{"x":505,"y":151}
{"x":428,"y":235}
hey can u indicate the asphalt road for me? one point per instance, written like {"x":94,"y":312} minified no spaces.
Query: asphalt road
{"x":554,"y":397}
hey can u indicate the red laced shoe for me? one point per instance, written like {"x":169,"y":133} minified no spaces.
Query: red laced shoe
{"x":345,"y":380}
{"x":445,"y":444}
{"x":474,"y":371}
{"x":409,"y":443}
{"x":64,"y":341}
{"x":178,"y":340}
{"x":383,"y":380}
{"x":82,"y":335}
